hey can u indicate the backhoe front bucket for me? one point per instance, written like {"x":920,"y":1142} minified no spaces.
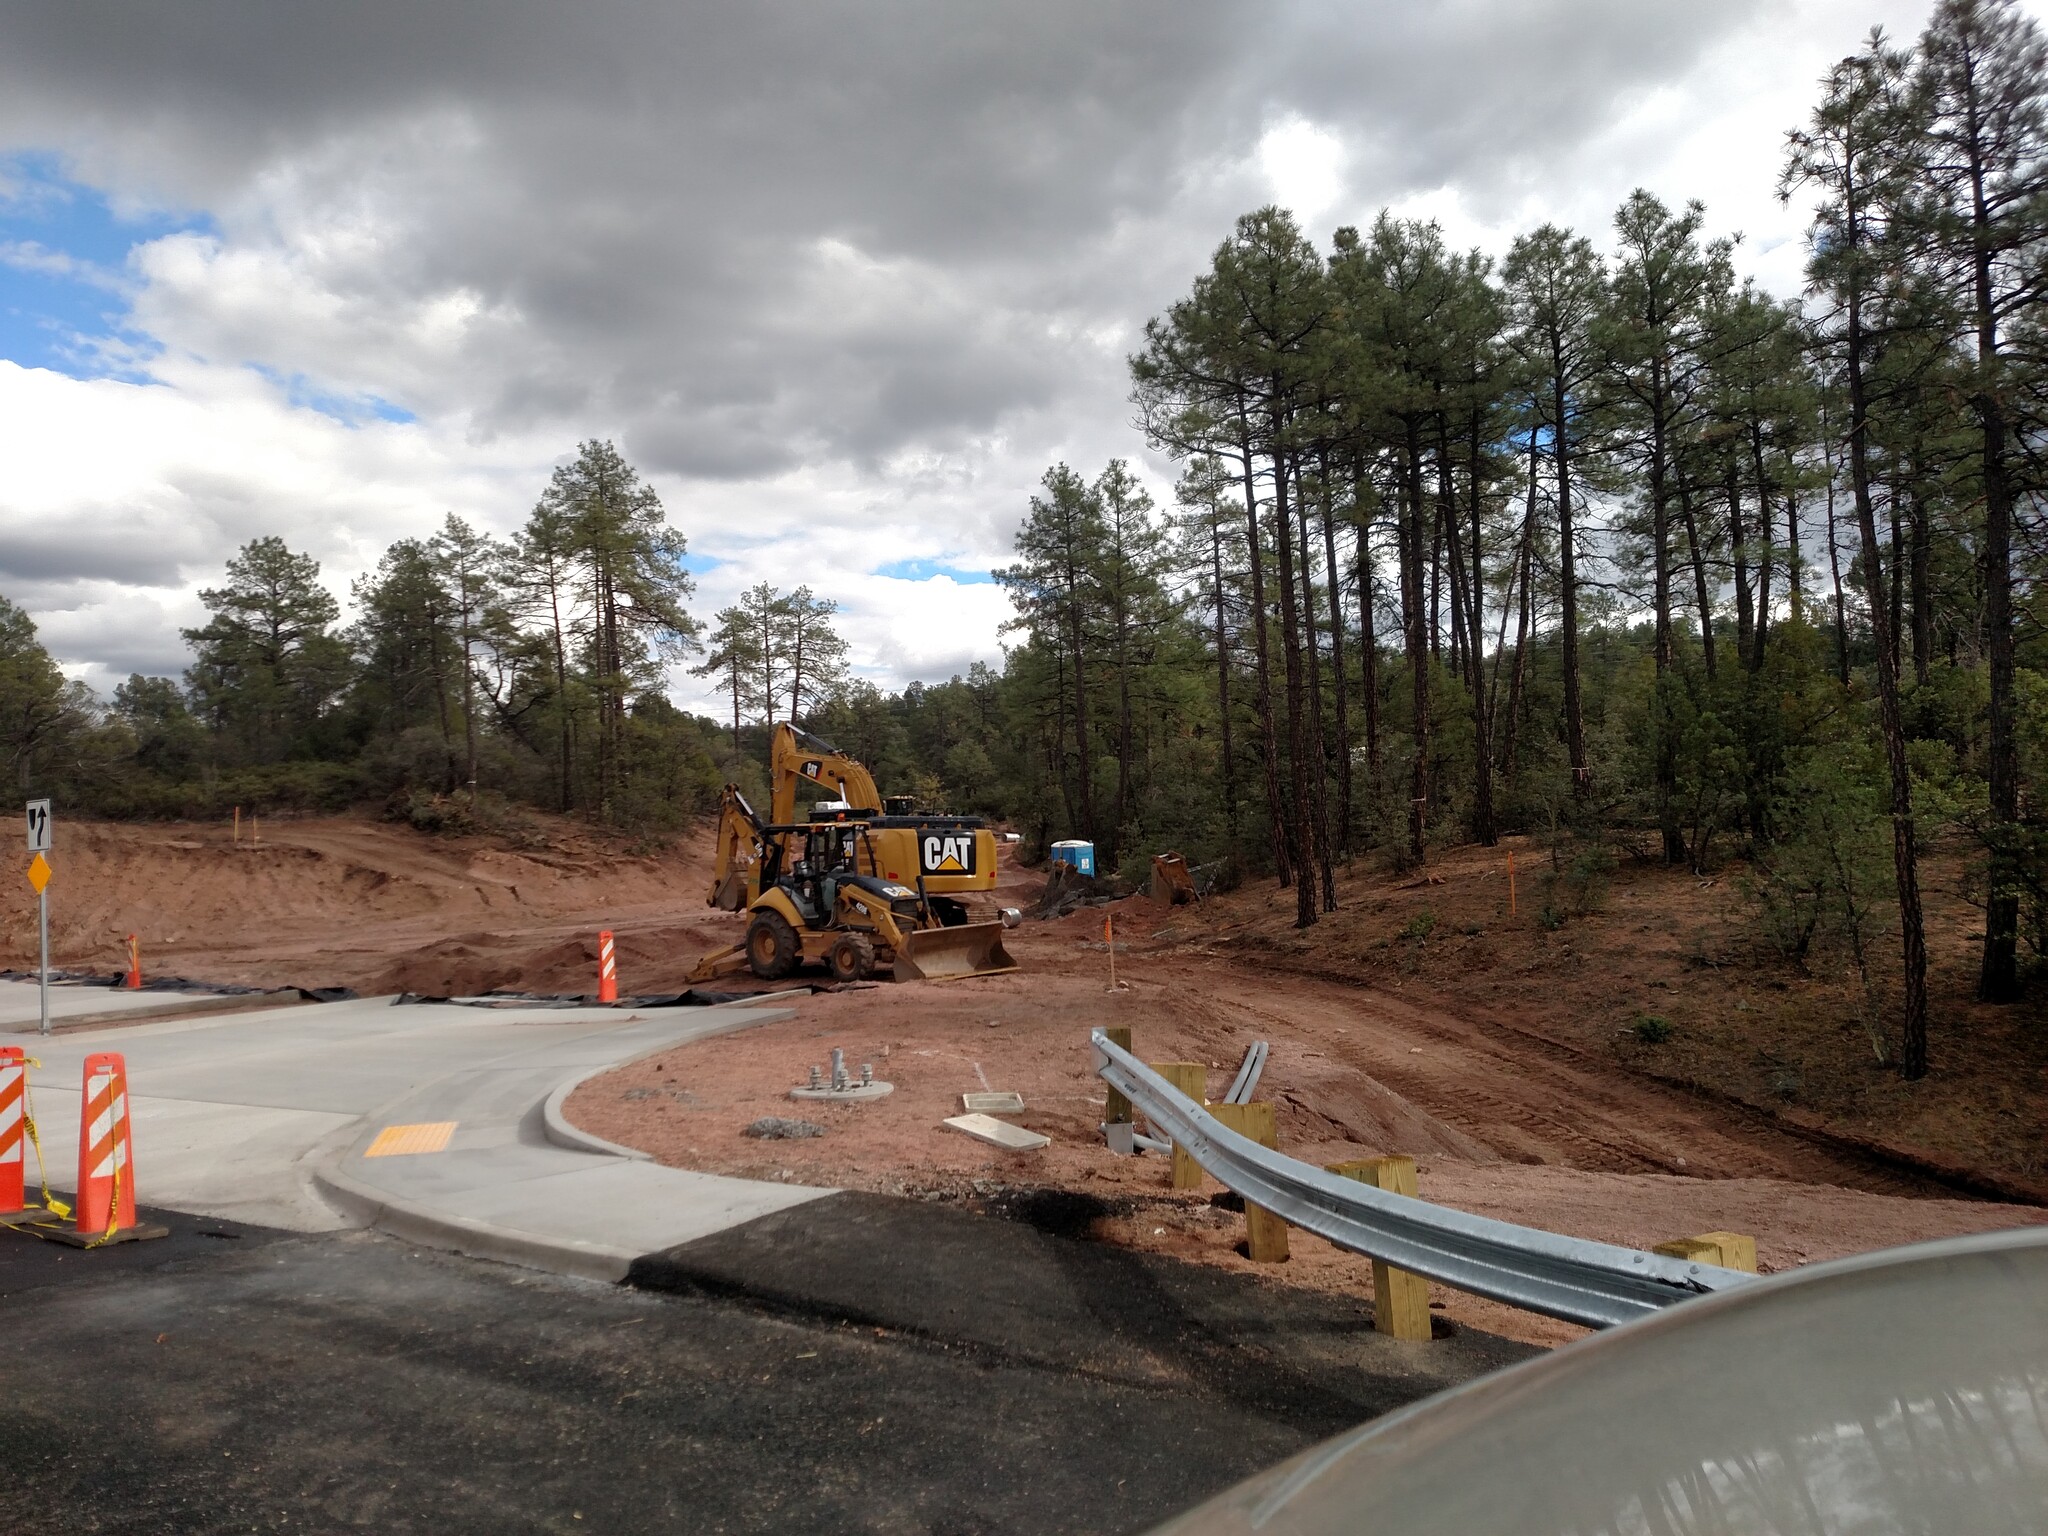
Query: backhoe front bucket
{"x":944,"y":954}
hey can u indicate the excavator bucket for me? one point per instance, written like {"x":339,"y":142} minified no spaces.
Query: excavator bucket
{"x":945,"y":954}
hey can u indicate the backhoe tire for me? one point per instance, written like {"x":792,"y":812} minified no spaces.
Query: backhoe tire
{"x":851,"y":958}
{"x":771,"y":946}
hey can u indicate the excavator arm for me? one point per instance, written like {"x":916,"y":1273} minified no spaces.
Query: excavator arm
{"x":742,"y":844}
{"x":797,"y":757}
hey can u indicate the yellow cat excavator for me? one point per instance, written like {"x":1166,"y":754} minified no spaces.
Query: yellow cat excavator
{"x":863,"y":882}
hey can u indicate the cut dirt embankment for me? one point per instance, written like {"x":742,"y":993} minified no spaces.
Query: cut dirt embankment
{"x":347,"y":901}
{"x":1549,"y":1133}
{"x":1670,"y":977}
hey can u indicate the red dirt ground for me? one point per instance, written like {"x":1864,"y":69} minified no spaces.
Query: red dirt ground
{"x":1420,"y":1017}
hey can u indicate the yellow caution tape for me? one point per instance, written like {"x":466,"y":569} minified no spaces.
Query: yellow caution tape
{"x":51,"y":1203}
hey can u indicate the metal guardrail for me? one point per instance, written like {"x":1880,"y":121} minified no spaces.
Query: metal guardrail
{"x":1580,"y":1281}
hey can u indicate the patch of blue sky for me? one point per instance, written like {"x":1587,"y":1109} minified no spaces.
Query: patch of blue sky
{"x":351,"y":410}
{"x":925,"y":570}
{"x":697,"y":564}
{"x":64,"y":267}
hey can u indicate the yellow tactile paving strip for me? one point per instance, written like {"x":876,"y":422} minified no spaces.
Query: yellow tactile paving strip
{"x":401,"y":1140}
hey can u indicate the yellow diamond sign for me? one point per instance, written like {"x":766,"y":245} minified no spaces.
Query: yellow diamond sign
{"x":39,"y":873}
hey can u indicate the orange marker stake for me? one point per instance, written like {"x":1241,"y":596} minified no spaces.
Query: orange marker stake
{"x":607,"y":969}
{"x":13,"y":1126}
{"x":134,"y":981}
{"x":236,"y":836}
{"x":106,"y":1149}
{"x":1109,"y":939}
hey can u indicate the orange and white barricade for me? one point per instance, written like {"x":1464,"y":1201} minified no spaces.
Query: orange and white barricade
{"x":106,"y":1147}
{"x":607,"y":969}
{"x":13,"y":1127}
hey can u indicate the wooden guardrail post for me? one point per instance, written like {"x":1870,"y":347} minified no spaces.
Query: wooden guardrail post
{"x":1265,"y":1232}
{"x":1192,"y":1079}
{"x":1400,"y":1299}
{"x":1730,"y":1250}
{"x":1116,"y":1109}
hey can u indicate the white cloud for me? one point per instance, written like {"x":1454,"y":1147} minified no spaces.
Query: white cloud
{"x":1304,"y":165}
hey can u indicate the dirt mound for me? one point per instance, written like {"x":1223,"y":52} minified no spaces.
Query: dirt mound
{"x":372,"y":905}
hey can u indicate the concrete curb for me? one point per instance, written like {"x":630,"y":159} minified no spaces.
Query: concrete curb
{"x":555,"y":1125}
{"x":476,"y":1239}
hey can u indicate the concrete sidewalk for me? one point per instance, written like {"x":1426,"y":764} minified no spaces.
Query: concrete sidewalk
{"x":265,"y":1117}
{"x":73,"y":1003}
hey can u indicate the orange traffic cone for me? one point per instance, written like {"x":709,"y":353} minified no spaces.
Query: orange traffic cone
{"x":13,"y":1126}
{"x":607,"y":969}
{"x":106,"y":1150}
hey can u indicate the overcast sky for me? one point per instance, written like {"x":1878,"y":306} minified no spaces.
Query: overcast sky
{"x":841,"y":279}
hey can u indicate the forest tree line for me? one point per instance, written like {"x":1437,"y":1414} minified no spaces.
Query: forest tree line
{"x":1616,"y":548}
{"x":1579,"y":542}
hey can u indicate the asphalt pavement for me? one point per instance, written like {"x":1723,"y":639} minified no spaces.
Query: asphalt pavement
{"x":241,"y":1379}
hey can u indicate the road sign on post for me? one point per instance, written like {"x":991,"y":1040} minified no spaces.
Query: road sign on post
{"x":39,"y":877}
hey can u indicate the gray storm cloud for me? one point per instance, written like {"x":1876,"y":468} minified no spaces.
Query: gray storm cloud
{"x":799,"y":261}
{"x":760,"y":235}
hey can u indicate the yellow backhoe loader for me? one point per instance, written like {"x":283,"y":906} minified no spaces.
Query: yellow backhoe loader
{"x":944,"y":857}
{"x":815,"y":892}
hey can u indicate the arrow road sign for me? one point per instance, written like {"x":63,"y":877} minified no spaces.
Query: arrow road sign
{"x":39,"y":826}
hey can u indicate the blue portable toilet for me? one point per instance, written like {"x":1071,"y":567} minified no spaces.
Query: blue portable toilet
{"x":1077,"y":853}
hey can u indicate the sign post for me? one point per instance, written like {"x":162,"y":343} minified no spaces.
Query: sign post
{"x":39,"y":877}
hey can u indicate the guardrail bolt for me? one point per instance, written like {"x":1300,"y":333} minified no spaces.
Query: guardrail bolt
{"x":817,"y":1078}
{"x":867,"y":1074}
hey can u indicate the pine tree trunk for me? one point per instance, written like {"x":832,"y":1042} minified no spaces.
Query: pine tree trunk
{"x":1764,"y":562}
{"x":1912,"y":932}
{"x":1745,"y":613}
{"x":1269,"y":746}
{"x":1413,"y":554}
{"x":1368,"y":643}
{"x":1568,"y":623}
{"x":1483,"y":827}
{"x":1331,"y":570}
{"x":1305,"y":913}
{"x":1223,"y":675}
{"x":1921,"y":557}
{"x":1665,"y":726}
{"x":1697,"y":551}
{"x":1319,"y":777}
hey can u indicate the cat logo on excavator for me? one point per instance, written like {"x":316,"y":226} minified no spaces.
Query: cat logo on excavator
{"x":946,"y":853}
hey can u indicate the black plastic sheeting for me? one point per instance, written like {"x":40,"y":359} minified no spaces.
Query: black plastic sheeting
{"x":695,"y":997}
{"x":184,"y":984}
